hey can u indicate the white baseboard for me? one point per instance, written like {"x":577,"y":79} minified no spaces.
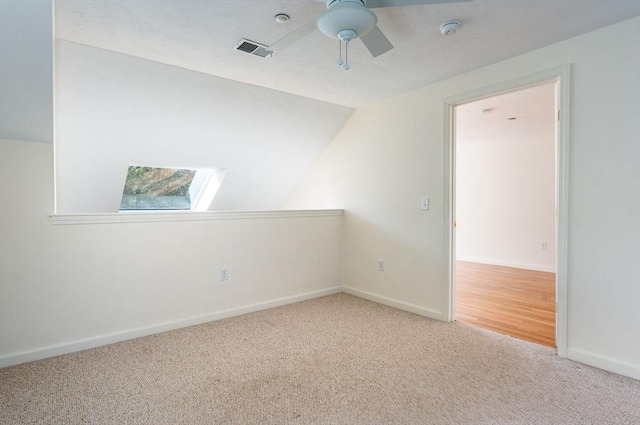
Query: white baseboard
{"x":40,"y":353}
{"x":604,"y":362}
{"x":507,"y":264}
{"x":422,"y":311}
{"x":11,"y":359}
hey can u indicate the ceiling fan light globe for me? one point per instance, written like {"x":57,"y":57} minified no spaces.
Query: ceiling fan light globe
{"x":346,"y":16}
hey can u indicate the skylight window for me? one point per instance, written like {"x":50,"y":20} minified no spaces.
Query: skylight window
{"x":151,"y":188}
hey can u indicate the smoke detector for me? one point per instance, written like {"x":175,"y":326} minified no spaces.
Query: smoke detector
{"x":450,"y":28}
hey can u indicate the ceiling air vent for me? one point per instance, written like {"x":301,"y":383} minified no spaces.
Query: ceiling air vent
{"x":253,"y":48}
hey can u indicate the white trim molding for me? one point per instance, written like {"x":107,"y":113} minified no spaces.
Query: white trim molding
{"x":562,"y":75}
{"x":632,"y":370}
{"x":380,"y":299}
{"x":40,"y":353}
{"x":160,"y":216}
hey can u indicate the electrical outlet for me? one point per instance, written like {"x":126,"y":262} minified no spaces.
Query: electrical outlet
{"x":543,"y":245}
{"x":224,"y":274}
{"x":380,"y":265}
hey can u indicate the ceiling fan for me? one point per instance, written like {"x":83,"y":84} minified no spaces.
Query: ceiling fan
{"x":347,"y":20}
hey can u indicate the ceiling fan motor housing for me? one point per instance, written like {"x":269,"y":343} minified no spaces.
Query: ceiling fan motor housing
{"x":330,"y":3}
{"x":346,"y":15}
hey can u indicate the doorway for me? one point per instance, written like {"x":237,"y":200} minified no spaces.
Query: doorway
{"x":505,"y":213}
{"x":509,"y":234}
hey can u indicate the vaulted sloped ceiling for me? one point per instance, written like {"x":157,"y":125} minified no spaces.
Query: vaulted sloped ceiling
{"x":26,"y":71}
{"x":115,"y":110}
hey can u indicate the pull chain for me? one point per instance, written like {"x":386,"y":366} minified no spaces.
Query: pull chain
{"x":345,"y":62}
{"x":345,"y":36}
{"x":346,"y":56}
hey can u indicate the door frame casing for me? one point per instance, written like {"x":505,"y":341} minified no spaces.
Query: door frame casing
{"x":562,"y":76}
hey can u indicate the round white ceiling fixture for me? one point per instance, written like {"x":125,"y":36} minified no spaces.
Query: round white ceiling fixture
{"x":346,"y":15}
{"x":281,"y":18}
{"x":450,"y":28}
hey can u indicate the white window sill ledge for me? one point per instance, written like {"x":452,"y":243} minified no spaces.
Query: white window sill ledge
{"x":161,"y":216}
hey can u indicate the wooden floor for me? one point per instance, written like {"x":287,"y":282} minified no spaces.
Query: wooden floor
{"x":515,"y":302}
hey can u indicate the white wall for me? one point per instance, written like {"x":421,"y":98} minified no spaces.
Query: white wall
{"x":390,"y":154}
{"x":67,"y":287}
{"x":505,"y":180}
{"x":113,"y":110}
{"x":26,"y":70}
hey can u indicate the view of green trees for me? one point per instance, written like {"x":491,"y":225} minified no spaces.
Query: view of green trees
{"x":157,"y":189}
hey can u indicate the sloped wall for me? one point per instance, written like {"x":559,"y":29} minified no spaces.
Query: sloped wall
{"x":26,"y":63}
{"x":113,"y":110}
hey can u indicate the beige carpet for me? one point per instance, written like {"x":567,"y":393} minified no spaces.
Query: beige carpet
{"x":333,"y":360}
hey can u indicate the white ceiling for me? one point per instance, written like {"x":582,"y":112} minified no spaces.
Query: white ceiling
{"x":200,"y":34}
{"x":533,"y":109}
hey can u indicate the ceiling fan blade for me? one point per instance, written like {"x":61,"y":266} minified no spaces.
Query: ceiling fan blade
{"x":293,"y":36}
{"x":392,"y":3}
{"x":376,"y":42}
